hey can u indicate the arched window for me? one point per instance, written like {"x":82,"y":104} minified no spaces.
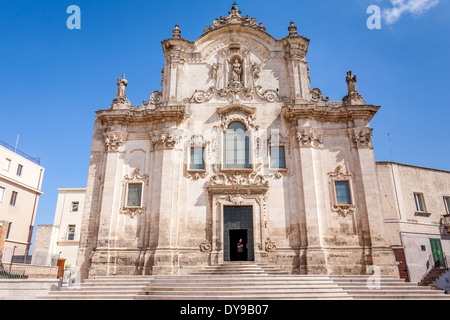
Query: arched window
{"x":236,"y":147}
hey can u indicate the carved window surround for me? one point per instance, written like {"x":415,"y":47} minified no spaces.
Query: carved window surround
{"x":196,"y":141}
{"x":236,"y":113}
{"x":278,"y":140}
{"x":134,"y":178}
{"x":339,"y":175}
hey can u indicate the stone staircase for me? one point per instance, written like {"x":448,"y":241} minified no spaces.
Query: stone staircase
{"x":432,"y":276}
{"x":242,"y":268}
{"x":243,"y":281}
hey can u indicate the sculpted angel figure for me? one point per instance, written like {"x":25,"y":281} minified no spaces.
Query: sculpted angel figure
{"x":121,"y":84}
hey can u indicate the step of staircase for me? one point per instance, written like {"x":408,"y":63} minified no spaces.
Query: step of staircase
{"x":241,"y":268}
{"x":243,"y":282}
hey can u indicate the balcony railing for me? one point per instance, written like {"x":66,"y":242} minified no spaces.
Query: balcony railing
{"x":21,"y":153}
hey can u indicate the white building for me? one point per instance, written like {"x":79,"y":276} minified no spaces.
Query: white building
{"x":20,"y":187}
{"x":61,"y":240}
{"x":416,"y":209}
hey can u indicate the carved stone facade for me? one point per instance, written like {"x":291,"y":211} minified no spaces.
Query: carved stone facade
{"x":234,"y":93}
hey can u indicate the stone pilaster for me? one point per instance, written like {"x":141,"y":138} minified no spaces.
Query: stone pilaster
{"x":168,"y":163}
{"x":378,"y":252}
{"x":309,"y":144}
{"x":104,"y":258}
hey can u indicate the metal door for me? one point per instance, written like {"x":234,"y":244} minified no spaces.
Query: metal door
{"x":438,"y":255}
{"x":236,"y":218}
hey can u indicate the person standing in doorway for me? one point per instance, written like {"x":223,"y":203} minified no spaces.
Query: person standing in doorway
{"x":240,"y":249}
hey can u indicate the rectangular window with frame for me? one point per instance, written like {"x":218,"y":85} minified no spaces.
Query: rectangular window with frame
{"x":19,"y":170}
{"x":7,"y":164}
{"x":71,"y":232}
{"x":74,"y":206}
{"x":13,"y":199}
{"x":197,"y":158}
{"x":134,"y":195}
{"x":2,"y":193}
{"x":447,"y":204}
{"x":277,"y":157}
{"x":342,"y":189}
{"x":420,"y":204}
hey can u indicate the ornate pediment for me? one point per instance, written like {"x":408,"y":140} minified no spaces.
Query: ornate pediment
{"x":237,"y":112}
{"x":236,"y":180}
{"x":234,"y":18}
{"x":136,"y":176}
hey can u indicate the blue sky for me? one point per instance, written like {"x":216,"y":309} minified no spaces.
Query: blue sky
{"x":53,"y":79}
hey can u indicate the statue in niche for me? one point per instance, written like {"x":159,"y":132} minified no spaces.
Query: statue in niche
{"x":121,"y":84}
{"x":236,"y":70}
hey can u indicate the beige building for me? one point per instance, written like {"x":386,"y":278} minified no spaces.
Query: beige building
{"x":416,"y":207}
{"x":236,"y":144}
{"x":20,"y":187}
{"x":61,"y":240}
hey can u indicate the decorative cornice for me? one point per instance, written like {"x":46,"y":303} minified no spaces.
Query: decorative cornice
{"x":146,"y":116}
{"x":329,"y":112}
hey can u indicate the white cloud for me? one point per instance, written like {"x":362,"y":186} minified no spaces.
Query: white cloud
{"x":401,"y":7}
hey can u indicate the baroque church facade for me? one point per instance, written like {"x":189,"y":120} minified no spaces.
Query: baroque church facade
{"x":236,"y":145}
